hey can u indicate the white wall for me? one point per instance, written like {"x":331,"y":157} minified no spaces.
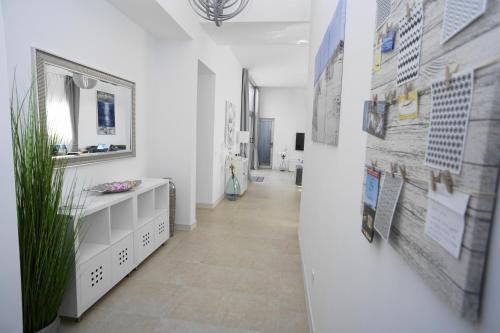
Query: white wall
{"x":175,"y":100}
{"x":10,"y":275}
{"x":360,"y":287}
{"x":92,"y":33}
{"x":289,"y":108}
{"x":204,"y":135}
{"x":96,"y":34}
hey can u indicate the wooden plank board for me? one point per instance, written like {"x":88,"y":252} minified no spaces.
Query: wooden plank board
{"x":456,"y":281}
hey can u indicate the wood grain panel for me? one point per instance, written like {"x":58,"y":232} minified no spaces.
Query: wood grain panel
{"x":456,"y":281}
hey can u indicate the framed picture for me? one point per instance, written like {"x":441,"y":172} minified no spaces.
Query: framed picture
{"x":105,"y":113}
{"x":230,"y":128}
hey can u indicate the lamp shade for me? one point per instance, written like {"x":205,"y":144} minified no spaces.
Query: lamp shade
{"x":244,"y":137}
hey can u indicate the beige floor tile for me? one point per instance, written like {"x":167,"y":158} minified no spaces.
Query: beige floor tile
{"x":239,"y":271}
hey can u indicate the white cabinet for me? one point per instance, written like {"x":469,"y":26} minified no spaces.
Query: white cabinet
{"x":241,"y":172}
{"x":116,"y":233}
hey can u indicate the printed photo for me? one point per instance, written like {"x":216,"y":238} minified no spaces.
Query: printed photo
{"x":374,"y":118}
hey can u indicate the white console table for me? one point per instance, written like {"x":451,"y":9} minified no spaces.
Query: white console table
{"x":117,"y":232}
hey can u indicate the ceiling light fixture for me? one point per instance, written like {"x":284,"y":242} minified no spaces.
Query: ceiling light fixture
{"x":218,"y":10}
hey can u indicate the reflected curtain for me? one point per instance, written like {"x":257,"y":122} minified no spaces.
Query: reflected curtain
{"x":245,"y":104}
{"x":58,"y":114}
{"x":254,"y":139}
{"x":73,"y":97}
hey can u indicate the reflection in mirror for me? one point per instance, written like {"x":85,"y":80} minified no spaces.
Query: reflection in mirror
{"x":92,"y":113}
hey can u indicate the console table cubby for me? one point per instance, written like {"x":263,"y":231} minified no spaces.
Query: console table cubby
{"x":116,"y":233}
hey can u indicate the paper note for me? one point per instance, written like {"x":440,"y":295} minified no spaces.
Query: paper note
{"x":445,"y":220}
{"x":370,"y":202}
{"x":377,"y":58}
{"x":389,"y":197}
{"x":450,"y":109}
{"x":410,"y":42}
{"x":408,"y":105}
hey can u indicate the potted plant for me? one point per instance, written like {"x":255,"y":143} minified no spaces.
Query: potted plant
{"x":47,"y":234}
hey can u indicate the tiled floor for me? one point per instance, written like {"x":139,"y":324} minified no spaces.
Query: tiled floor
{"x":238,"y":271}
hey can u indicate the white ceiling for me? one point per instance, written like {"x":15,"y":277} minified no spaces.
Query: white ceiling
{"x":152,"y":17}
{"x":271,"y":39}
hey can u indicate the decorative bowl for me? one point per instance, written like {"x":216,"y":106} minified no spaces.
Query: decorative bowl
{"x":115,"y":187}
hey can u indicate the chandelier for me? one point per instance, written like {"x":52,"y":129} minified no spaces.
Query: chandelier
{"x":218,"y":10}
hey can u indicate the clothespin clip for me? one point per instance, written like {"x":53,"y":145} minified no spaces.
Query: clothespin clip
{"x":394,"y":168}
{"x":448,"y":71}
{"x":407,"y":89}
{"x":402,"y":170}
{"x":386,"y":28}
{"x":408,"y":11}
{"x":448,"y":180}
{"x":434,"y":181}
{"x":390,"y":96}
{"x":375,"y":98}
{"x":374,"y":163}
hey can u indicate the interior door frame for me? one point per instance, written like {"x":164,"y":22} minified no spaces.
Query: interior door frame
{"x":272,"y":141}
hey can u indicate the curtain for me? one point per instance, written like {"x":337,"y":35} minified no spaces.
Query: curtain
{"x":245,"y":104}
{"x":73,"y":98}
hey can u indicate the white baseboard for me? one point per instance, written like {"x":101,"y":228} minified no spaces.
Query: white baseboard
{"x":208,"y":205}
{"x":308,"y":299}
{"x":186,"y":227}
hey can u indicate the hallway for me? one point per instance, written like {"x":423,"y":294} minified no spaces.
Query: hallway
{"x":238,"y":271}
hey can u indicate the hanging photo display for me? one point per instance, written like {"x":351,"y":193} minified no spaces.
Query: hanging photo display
{"x":410,"y":34}
{"x":374,"y":118}
{"x":389,"y":196}
{"x":450,"y":109}
{"x":443,"y":134}
{"x":458,"y":14}
{"x":328,"y":81}
{"x":370,"y":202}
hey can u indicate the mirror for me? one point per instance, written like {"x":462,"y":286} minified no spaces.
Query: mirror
{"x":91,"y":112}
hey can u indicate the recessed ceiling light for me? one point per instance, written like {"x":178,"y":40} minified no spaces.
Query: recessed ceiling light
{"x":302,"y":42}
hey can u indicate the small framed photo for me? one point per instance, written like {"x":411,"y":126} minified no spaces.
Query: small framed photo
{"x":105,"y":113}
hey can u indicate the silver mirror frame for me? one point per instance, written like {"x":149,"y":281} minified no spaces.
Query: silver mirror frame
{"x":40,"y":58}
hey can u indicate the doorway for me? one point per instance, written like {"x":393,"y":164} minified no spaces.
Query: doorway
{"x":205,"y":136}
{"x":265,"y":143}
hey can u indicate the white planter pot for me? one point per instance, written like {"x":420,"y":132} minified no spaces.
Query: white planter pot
{"x":52,"y":328}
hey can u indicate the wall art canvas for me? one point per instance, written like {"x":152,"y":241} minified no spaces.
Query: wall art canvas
{"x":328,"y":81}
{"x":105,"y":113}
{"x":230,"y":128}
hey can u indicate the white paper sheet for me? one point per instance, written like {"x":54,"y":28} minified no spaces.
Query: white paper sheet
{"x":445,"y":221}
{"x":389,"y":197}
